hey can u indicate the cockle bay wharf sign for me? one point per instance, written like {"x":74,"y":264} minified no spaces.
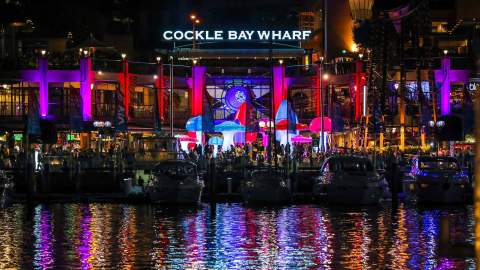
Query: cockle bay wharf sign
{"x":231,"y":35}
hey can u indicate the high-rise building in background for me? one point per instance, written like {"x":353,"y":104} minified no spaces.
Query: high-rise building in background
{"x":310,"y":20}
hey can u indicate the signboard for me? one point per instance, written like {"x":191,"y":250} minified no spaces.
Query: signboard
{"x":18,"y":137}
{"x":176,"y":35}
{"x":473,"y":85}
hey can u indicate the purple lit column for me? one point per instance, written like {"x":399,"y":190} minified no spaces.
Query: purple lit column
{"x":43,"y":84}
{"x":86,"y":82}
{"x":444,"y":77}
{"x":445,"y":88}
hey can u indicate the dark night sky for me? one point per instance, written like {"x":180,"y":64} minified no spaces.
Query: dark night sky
{"x":150,"y":17}
{"x":147,"y":19}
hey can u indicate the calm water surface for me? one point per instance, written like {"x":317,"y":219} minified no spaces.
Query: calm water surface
{"x":228,"y":236}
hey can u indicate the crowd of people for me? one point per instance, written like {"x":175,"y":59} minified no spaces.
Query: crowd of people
{"x":307,"y":155}
{"x":254,"y":154}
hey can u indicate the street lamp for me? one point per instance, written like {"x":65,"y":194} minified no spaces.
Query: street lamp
{"x":158,"y":59}
{"x":124,"y":55}
{"x":195,"y":21}
{"x":43,"y":52}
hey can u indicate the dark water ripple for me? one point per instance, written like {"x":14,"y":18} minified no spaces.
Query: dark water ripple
{"x":229,"y":236}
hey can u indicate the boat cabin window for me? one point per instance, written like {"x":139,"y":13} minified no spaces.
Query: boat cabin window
{"x":354,"y":165}
{"x":350,"y":165}
{"x":438,"y":165}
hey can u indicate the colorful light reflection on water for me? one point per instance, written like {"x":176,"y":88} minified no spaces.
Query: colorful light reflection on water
{"x":229,"y":236}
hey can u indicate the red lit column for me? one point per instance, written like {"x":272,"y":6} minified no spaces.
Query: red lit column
{"x":125,"y":86}
{"x":160,"y":87}
{"x":359,"y":84}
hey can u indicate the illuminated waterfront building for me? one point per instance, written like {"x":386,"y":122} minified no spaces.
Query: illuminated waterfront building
{"x":79,"y":85}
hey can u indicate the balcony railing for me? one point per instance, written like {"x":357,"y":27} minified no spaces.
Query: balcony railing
{"x":105,"y":65}
{"x":141,"y":112}
{"x":103,"y":111}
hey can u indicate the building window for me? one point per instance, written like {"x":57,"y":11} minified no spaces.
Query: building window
{"x":14,"y":98}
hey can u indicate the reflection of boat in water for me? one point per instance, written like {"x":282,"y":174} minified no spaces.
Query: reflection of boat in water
{"x":175,"y":181}
{"x":6,"y":188}
{"x":436,"y":180}
{"x":349,"y":180}
{"x":266,"y":186}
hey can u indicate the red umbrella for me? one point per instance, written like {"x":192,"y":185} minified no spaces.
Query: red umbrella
{"x":282,"y":125}
{"x":301,"y":126}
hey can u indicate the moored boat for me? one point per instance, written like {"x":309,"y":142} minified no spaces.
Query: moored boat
{"x":349,"y":180}
{"x":436,"y":180}
{"x":264,"y":186}
{"x":175,"y":181}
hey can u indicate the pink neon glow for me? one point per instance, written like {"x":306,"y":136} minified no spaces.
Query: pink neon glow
{"x":43,"y":82}
{"x":316,"y":124}
{"x":444,"y":77}
{"x":279,"y":86}
{"x":124,"y":79}
{"x":301,"y":139}
{"x":86,"y":80}
{"x":198,"y":84}
{"x":44,"y":76}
